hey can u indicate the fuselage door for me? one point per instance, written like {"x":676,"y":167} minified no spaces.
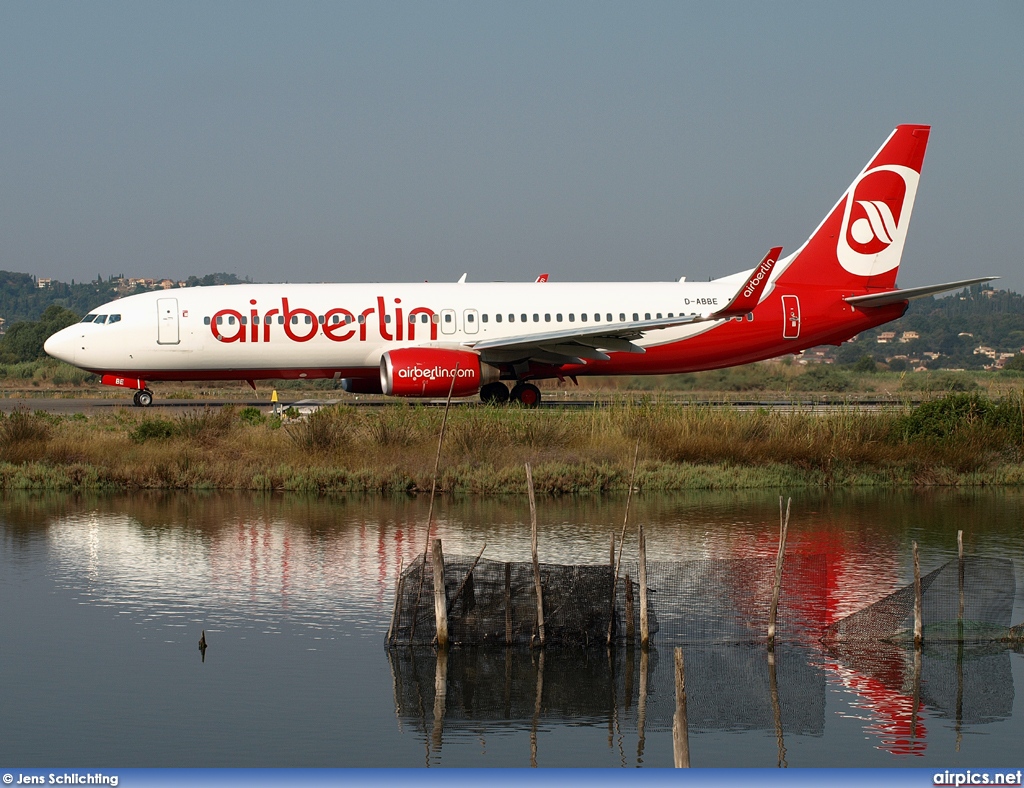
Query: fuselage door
{"x":447,"y":321}
{"x":167,"y":321}
{"x":470,"y":321}
{"x":790,"y":317}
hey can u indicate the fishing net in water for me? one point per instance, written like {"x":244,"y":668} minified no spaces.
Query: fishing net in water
{"x":689,"y":602}
{"x":973,"y":603}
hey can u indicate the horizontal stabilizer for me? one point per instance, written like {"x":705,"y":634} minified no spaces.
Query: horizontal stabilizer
{"x":748,"y":296}
{"x":896,"y":296}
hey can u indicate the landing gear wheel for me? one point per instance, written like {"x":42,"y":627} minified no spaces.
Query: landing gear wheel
{"x":494,"y":393}
{"x":143,"y":398}
{"x":526,"y":394}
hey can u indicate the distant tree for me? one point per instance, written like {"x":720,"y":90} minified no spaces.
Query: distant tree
{"x":24,"y":341}
{"x":865,"y":364}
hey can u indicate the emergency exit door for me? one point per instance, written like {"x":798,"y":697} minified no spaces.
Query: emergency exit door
{"x":167,"y":321}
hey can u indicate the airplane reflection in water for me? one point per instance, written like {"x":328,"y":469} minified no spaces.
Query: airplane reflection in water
{"x":242,"y":563}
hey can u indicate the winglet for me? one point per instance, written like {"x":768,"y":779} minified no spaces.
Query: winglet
{"x":748,"y":296}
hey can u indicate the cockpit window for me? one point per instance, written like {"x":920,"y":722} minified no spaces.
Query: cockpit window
{"x":100,"y":319}
{"x":114,"y":319}
{"x":88,"y":318}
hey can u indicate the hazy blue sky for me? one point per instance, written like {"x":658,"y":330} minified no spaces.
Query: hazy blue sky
{"x":391,"y":141}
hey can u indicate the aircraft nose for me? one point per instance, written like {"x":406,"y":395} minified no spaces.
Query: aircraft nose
{"x":62,"y":345}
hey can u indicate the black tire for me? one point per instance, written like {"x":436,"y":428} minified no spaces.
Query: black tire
{"x":526,"y":394}
{"x":135,"y":398}
{"x":494,"y":393}
{"x":144,"y":398}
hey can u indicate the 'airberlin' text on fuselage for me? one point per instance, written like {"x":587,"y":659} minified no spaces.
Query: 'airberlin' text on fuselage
{"x":298,"y":324}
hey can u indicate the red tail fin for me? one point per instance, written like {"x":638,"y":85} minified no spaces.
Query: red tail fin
{"x":860,"y":242}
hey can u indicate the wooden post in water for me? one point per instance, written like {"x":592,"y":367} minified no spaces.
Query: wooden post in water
{"x":680,"y":728}
{"x":774,"y":610}
{"x":440,"y":602}
{"x":960,"y":642}
{"x":616,"y":564}
{"x":645,"y":626}
{"x":396,"y":612}
{"x":536,"y":562}
{"x":630,"y":614}
{"x":430,"y":507}
{"x":918,"y":624}
{"x":960,"y":583}
{"x":508,"y":604}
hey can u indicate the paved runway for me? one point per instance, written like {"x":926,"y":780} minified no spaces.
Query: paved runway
{"x":89,"y":405}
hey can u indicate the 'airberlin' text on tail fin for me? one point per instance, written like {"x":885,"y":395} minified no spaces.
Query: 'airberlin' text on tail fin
{"x":860,"y":242}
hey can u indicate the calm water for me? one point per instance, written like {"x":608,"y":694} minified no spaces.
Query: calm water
{"x":102,"y":601}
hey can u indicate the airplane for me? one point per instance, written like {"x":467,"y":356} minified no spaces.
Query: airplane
{"x":465,"y":339}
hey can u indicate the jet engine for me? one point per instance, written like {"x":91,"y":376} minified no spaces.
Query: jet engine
{"x":429,"y":372}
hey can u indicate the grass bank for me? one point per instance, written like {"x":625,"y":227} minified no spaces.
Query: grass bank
{"x":962,"y":439}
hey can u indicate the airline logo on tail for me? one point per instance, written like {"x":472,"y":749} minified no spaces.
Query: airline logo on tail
{"x":875,"y":220}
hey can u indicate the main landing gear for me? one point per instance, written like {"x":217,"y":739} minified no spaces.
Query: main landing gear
{"x":497,"y":393}
{"x":143,"y":399}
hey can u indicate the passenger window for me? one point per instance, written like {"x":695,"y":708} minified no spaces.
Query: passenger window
{"x":608,"y":317}
{"x":310,"y":320}
{"x":255,"y":320}
{"x":558,"y":317}
{"x":547,"y":318}
{"x":435,"y":319}
{"x":511,"y":318}
{"x":361,"y":319}
{"x":295,"y":320}
{"x":622,"y":316}
{"x":572,"y":317}
{"x":206,"y":321}
{"x":320,"y":319}
{"x":447,"y":318}
{"x":469,"y":317}
{"x":231,"y":320}
{"x":750,"y":316}
{"x":483,"y":317}
{"x":241,"y":320}
{"x":670,"y":314}
{"x":280,"y":320}
{"x":583,"y":317}
{"x":636,"y":316}
{"x":659,"y":315}
{"x":597,"y":318}
{"x":412,"y":319}
{"x":536,"y":318}
{"x":647,"y":315}
{"x":497,"y":317}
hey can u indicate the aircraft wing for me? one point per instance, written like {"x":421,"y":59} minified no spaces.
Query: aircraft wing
{"x":895,"y":296}
{"x":580,"y":344}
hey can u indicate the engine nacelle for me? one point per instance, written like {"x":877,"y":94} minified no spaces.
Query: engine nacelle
{"x":428,"y":372}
